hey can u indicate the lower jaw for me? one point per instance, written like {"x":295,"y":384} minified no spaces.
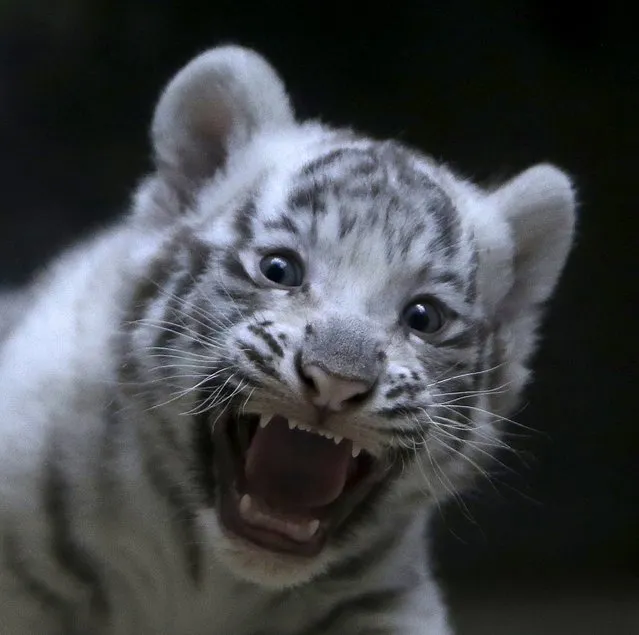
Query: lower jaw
{"x":263,"y":538}
{"x":333,"y":519}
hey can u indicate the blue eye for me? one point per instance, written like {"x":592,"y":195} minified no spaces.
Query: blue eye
{"x":284,"y":270}
{"x":423,"y":316}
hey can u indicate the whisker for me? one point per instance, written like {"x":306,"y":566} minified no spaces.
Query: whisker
{"x":462,"y":376}
{"x":180,"y":330}
{"x":498,"y":390}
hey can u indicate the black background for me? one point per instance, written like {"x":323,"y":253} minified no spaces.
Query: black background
{"x":490,"y":87}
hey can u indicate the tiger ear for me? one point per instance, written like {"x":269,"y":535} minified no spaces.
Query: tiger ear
{"x":531,"y":219}
{"x":538,"y":206}
{"x":213,"y":106}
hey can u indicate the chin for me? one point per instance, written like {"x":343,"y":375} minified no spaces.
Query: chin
{"x":265,"y":567}
{"x":289,"y":499}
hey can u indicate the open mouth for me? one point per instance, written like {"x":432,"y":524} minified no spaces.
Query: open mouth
{"x":286,"y":486}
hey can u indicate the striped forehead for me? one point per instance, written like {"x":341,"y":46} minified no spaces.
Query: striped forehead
{"x":366,"y":202}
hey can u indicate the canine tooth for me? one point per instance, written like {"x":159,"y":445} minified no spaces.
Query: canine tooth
{"x":337,"y":440}
{"x":294,"y":531}
{"x":245,"y":505}
{"x":265,"y":420}
{"x":355,"y":451}
{"x":312,"y":527}
{"x":292,"y":424}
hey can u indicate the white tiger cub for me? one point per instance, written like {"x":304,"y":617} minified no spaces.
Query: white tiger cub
{"x":234,"y":411}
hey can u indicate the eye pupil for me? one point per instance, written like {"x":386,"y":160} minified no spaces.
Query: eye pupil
{"x":276,"y":270}
{"x":283,"y":270}
{"x":418,"y":318}
{"x":423,"y":316}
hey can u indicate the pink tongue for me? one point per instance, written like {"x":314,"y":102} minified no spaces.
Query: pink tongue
{"x":293,"y":469}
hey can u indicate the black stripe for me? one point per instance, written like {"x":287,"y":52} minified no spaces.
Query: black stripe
{"x":395,"y":392}
{"x":351,"y":191}
{"x":207,"y":324}
{"x":413,"y":435}
{"x":233,"y":267}
{"x":471,"y":291}
{"x":244,"y":221}
{"x":270,"y":341}
{"x":446,"y":218}
{"x":356,"y":162}
{"x":308,"y":195}
{"x":408,"y":235}
{"x":346,"y":224}
{"x":327,"y":159}
{"x":368,"y":604}
{"x":448,"y":277}
{"x":462,"y":340}
{"x":198,"y":256}
{"x":182,"y":514}
{"x":261,"y":361}
{"x":243,"y":299}
{"x":354,"y":567}
{"x":107,"y":477}
{"x":148,"y":287}
{"x":283,"y":223}
{"x":233,"y":379}
{"x":395,"y":412}
{"x":40,"y":591}
{"x":172,"y":318}
{"x":69,"y":554}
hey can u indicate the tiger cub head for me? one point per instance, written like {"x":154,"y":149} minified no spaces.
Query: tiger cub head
{"x":336,"y":325}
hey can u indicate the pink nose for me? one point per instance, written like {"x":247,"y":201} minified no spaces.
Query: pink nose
{"x":332,"y":391}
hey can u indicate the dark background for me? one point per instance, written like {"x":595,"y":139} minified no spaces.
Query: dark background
{"x":491,"y":87}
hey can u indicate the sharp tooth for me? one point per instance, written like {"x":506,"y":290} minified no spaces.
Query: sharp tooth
{"x":355,"y":451}
{"x":312,"y":527}
{"x":245,"y":505}
{"x":337,"y":440}
{"x":292,"y":424}
{"x":264,"y":420}
{"x":328,"y":435}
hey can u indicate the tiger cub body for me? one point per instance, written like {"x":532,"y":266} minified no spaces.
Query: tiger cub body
{"x":235,"y":410}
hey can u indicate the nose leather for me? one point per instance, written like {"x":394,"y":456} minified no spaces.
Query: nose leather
{"x":341,"y":358}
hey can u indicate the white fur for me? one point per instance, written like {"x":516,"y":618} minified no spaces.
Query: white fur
{"x":220,"y":126}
